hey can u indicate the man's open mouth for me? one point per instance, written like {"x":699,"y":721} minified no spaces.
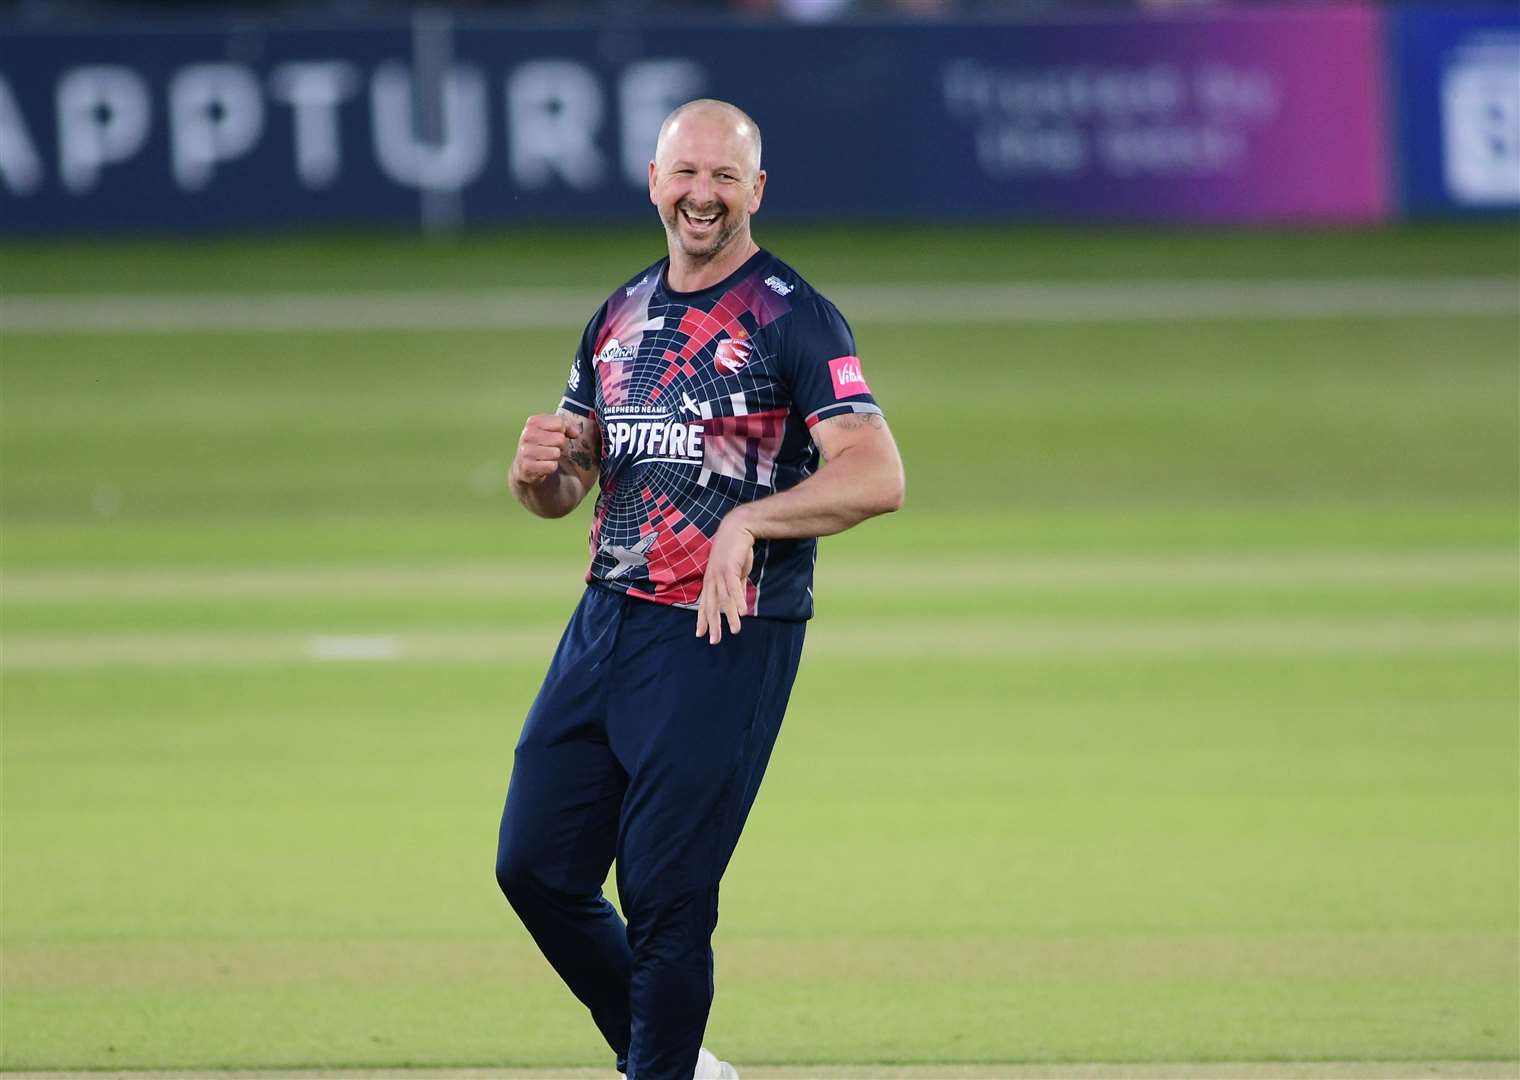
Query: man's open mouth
{"x":699,"y":221}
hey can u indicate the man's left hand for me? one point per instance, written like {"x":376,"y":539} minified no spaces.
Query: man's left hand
{"x":726,"y":584}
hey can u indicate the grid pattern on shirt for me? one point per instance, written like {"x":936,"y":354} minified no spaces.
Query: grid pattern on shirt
{"x":705,"y":401}
{"x":683,"y":372}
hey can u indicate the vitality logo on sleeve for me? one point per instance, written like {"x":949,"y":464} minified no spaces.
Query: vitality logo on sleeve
{"x":848,"y":381}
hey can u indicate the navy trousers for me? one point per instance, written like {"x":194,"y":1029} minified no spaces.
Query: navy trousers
{"x":647,"y":745}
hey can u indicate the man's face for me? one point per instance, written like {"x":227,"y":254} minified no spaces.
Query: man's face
{"x":705,"y":183}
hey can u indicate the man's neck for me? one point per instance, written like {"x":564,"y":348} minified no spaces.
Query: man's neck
{"x":685,"y":274}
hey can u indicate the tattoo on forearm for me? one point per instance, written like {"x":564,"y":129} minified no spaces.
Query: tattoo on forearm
{"x":581,"y":451}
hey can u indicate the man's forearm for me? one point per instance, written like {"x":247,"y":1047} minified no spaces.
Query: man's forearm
{"x":846,"y":491}
{"x":554,"y":497}
{"x":566,"y":448}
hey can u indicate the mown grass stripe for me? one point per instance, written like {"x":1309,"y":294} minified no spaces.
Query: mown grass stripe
{"x":552,"y":578}
{"x":921,"y":302}
{"x":855,"y":640}
{"x":1105,"y":1070}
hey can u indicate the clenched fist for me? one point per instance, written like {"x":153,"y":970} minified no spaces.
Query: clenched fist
{"x":544,"y":442}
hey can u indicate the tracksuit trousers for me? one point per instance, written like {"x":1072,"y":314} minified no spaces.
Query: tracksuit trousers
{"x":645,"y":745}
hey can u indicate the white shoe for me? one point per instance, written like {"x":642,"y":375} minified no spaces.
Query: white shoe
{"x":710,"y":1068}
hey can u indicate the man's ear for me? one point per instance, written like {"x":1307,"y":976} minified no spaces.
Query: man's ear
{"x":653,"y":173}
{"x":754,"y":200}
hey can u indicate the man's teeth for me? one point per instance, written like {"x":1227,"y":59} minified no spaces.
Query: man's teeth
{"x":699,"y":219}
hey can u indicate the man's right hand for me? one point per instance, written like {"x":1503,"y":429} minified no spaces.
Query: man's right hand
{"x":542,"y":447}
{"x":556,"y":464}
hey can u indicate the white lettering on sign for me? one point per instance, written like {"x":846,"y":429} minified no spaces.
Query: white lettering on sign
{"x":103,"y":118}
{"x":447,"y":163}
{"x":216,"y":113}
{"x":314,"y":90}
{"x":649,"y":91}
{"x":1226,"y":90}
{"x":1161,"y":151}
{"x":428,"y":135}
{"x":20,"y":164}
{"x":554,"y":110}
{"x":1122,"y":120}
{"x":1012,"y":151}
{"x":1480,"y":124}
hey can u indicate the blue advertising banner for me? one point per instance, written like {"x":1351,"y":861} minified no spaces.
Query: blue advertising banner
{"x":1457,"y":74}
{"x":444,"y":121}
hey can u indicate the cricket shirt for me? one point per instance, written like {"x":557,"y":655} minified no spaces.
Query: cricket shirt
{"x":704,"y":400}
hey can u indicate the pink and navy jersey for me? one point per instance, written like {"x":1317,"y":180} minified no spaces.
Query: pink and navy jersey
{"x":704,"y":401}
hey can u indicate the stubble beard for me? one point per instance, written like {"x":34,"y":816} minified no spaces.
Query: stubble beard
{"x":729,"y":228}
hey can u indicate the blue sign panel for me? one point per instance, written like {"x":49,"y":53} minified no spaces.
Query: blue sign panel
{"x":1457,"y":77}
{"x":443,"y":121}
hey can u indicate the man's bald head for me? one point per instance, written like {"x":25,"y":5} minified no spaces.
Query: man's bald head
{"x":707,"y":182}
{"x":711,"y":109}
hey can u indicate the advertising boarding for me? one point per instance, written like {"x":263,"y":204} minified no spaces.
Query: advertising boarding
{"x":1259,"y":115}
{"x":1459,"y":108}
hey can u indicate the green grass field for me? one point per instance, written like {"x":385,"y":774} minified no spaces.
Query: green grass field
{"x":1173,"y":720}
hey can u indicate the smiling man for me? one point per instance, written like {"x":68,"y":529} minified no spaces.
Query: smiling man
{"x":719,"y":401}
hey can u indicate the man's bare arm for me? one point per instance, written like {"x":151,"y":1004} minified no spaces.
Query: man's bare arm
{"x":861,"y":478}
{"x":557,"y":461}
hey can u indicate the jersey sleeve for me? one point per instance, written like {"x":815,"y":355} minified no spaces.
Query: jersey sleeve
{"x":580,"y":385}
{"x":820,"y":364}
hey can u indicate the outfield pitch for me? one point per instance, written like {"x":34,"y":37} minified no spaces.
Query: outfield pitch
{"x":1231,"y":1070}
{"x":1173,"y":720}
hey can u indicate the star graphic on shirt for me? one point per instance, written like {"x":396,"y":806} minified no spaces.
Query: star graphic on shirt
{"x":629,"y":558}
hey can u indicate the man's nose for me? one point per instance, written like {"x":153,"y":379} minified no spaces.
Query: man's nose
{"x":702,"y":188}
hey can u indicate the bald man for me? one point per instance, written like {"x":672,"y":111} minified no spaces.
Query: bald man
{"x":718,"y":400}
